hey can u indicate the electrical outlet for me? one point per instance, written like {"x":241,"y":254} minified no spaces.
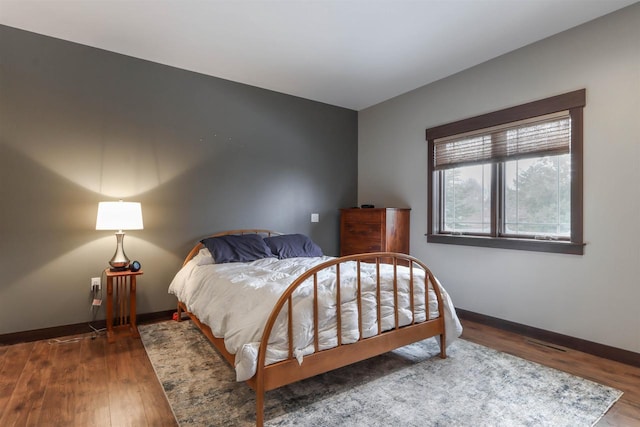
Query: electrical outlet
{"x":315,"y":217}
{"x":95,"y":283}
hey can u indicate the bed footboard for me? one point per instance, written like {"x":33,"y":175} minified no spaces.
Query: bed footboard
{"x":269,"y":377}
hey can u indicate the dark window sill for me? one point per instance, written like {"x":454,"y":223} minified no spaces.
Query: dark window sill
{"x":559,"y":247}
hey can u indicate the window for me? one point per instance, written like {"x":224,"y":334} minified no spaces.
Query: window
{"x":511,"y":178}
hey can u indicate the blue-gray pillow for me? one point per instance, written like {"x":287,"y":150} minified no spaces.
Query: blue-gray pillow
{"x":237,"y":248}
{"x":292,"y":245}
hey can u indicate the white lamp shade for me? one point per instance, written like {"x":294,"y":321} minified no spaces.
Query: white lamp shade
{"x":119,"y":216}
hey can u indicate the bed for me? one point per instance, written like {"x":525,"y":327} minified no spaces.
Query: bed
{"x":280,"y":311}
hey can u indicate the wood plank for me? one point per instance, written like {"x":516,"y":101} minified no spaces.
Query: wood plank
{"x":92,"y":389}
{"x":3,"y":351}
{"x":25,"y":401}
{"x":14,"y":359}
{"x":623,"y":413}
{"x":125,"y":401}
{"x":58,"y":405}
{"x":41,"y":368}
{"x":156,"y":407}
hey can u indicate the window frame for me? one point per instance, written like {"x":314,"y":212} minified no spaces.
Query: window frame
{"x":573,"y":102}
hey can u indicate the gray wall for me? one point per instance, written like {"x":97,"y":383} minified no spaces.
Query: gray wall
{"x":80,"y":125}
{"x":593,"y":297}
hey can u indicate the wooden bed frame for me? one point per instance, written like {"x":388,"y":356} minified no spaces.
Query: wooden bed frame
{"x":269,"y":377}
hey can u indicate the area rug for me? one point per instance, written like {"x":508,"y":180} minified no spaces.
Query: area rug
{"x":475,"y":386}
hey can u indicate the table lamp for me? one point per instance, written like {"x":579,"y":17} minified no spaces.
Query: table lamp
{"x":119,"y":216}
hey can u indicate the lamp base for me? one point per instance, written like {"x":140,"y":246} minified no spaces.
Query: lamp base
{"x":116,"y":269}
{"x":119,"y":262}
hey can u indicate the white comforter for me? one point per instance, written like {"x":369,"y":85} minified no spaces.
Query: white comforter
{"x":236,"y":299}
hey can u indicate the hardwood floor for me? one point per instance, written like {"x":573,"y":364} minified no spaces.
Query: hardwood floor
{"x":79,"y":381}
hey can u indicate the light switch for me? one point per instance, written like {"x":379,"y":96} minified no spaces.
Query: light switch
{"x":315,"y":217}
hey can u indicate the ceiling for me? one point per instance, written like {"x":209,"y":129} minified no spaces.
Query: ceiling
{"x":349,"y":53}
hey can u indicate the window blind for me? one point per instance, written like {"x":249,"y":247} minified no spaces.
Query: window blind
{"x":539,"y":136}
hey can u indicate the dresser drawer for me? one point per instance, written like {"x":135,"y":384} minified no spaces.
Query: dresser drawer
{"x":360,"y":237}
{"x":367,"y":216}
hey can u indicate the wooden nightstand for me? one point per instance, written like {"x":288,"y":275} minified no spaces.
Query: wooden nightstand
{"x":125,"y":299}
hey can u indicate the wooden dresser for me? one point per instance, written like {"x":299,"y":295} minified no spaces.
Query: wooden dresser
{"x":372,"y":230}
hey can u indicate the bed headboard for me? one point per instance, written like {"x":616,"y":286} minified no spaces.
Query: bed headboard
{"x":199,"y":245}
